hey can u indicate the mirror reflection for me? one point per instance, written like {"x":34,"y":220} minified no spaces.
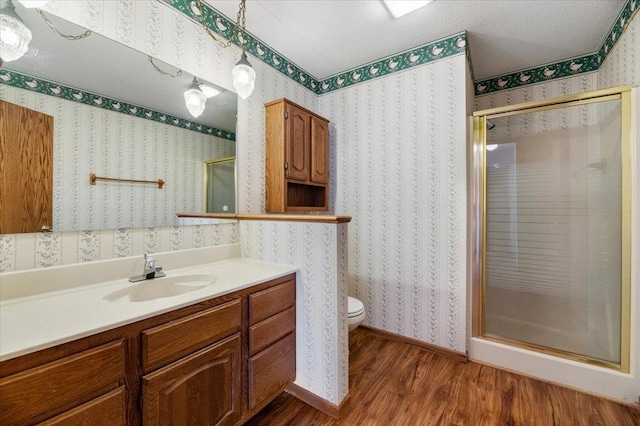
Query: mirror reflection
{"x":220,"y":177}
{"x":120,"y":114}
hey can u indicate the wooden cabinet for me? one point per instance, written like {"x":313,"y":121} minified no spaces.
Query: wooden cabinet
{"x":53,"y":388}
{"x":200,"y":389}
{"x":168,"y":342}
{"x":297,"y":159}
{"x":272,"y":343}
{"x":106,"y":410}
{"x":217,"y":362}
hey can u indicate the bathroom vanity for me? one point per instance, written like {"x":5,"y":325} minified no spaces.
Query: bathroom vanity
{"x":217,"y":352}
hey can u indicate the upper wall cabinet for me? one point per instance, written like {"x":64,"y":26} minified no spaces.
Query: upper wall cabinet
{"x":297,"y":159}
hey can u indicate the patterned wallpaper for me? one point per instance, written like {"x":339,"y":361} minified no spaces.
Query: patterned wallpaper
{"x":320,"y":251}
{"x":535,"y":92}
{"x":25,"y":81}
{"x":622,"y":66}
{"x":93,"y":140}
{"x":27,"y":251}
{"x":399,"y":150}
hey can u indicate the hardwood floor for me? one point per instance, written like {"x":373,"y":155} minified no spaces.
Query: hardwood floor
{"x":395,"y":384}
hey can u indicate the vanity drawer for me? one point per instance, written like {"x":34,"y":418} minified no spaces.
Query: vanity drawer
{"x":271,"y":330}
{"x":40,"y":392}
{"x":106,"y":410}
{"x":168,"y":342}
{"x":271,"y":371}
{"x":271,"y":301}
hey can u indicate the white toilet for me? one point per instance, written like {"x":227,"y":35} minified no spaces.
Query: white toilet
{"x":356,"y":313}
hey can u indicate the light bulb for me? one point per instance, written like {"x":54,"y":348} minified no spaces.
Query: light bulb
{"x":244,"y":77}
{"x":9,"y":36}
{"x":14,"y":35}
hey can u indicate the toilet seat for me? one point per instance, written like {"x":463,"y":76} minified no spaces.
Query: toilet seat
{"x":355,"y":307}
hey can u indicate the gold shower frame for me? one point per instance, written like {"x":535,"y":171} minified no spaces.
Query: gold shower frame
{"x":478,"y":218}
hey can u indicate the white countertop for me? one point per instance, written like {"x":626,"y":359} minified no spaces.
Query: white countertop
{"x":37,"y":321}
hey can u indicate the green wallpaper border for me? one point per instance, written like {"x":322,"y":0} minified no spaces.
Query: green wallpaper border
{"x":35,"y":84}
{"x":580,"y":65}
{"x":552,"y":71}
{"x":223,"y":26}
{"x":420,"y":55}
{"x":424,"y":54}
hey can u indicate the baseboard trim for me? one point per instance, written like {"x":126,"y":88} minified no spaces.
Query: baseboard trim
{"x":317,"y":402}
{"x":438,"y":350}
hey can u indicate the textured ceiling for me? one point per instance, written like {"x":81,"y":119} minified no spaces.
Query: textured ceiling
{"x":330,"y":36}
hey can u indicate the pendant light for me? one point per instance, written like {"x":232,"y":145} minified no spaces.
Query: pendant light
{"x":14,"y":35}
{"x":244,"y":76}
{"x":195,"y":99}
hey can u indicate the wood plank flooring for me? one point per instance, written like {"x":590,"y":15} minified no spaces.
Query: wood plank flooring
{"x":395,"y":384}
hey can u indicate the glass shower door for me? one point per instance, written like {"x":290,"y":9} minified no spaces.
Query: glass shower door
{"x":220,"y":177}
{"x":553,"y":230}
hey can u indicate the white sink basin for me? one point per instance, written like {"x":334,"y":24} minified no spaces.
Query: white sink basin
{"x":160,"y":288}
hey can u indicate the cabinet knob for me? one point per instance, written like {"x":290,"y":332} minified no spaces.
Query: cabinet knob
{"x":286,"y":115}
{"x":286,"y":166}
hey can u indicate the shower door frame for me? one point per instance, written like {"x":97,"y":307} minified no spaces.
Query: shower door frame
{"x":477,"y":218}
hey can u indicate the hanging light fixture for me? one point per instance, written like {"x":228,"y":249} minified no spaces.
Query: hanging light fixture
{"x":244,"y":76}
{"x":14,"y":35}
{"x":195,"y":99}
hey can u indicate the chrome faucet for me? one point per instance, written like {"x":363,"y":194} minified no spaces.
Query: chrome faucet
{"x":149,"y":270}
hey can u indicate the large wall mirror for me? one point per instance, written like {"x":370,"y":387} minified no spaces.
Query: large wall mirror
{"x":120,"y":114}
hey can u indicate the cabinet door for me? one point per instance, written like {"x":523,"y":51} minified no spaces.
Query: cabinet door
{"x":26,"y":169}
{"x":106,"y":410}
{"x":49,"y":389}
{"x":200,"y":389}
{"x":298,"y":143}
{"x":271,"y":370}
{"x":319,"y":151}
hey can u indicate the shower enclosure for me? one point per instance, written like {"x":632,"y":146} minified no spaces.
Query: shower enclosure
{"x":551,"y":213}
{"x":220,"y":185}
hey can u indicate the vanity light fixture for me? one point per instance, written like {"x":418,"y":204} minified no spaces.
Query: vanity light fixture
{"x":244,"y":76}
{"x":14,"y":35}
{"x":195,"y":99}
{"x":400,"y":8}
{"x":492,"y":147}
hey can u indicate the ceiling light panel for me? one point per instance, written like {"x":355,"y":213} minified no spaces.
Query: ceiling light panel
{"x":209,"y":91}
{"x":400,"y":8}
